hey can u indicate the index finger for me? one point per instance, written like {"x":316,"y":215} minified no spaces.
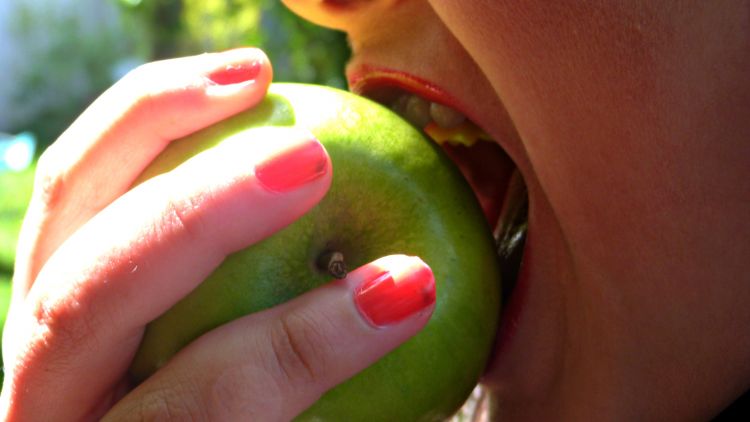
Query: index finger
{"x":97,"y":159}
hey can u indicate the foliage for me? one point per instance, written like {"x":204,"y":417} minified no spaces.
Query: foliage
{"x":15,"y":191}
{"x":67,"y":60}
{"x":299,"y":50}
{"x":64,"y":59}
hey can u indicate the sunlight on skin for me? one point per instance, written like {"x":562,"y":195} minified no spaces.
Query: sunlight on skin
{"x":627,"y":153}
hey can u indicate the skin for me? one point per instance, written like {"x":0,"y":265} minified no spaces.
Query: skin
{"x":628,"y":122}
{"x":95,"y":263}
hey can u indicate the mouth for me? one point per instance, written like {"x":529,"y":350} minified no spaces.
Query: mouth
{"x":492,"y":175}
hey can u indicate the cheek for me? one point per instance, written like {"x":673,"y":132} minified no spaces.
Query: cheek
{"x":588,"y":117}
{"x":647,"y":200}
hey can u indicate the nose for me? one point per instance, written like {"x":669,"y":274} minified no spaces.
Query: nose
{"x":339,"y":14}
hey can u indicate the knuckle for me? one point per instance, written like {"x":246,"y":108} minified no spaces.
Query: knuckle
{"x":150,"y":83}
{"x":65,"y":325}
{"x":142,"y":74}
{"x":184,"y":217}
{"x":166,"y":404}
{"x":142,"y":90}
{"x":46,"y":158}
{"x":60,"y":330}
{"x":140,"y":81}
{"x":240,"y":392}
{"x":50,"y":179}
{"x":301,"y":350}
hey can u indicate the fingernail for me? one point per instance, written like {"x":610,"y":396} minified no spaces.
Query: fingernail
{"x":298,"y":165}
{"x":393,"y":296}
{"x":235,"y":73}
{"x":245,"y":67}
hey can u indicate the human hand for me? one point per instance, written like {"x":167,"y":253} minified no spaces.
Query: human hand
{"x":98,"y":260}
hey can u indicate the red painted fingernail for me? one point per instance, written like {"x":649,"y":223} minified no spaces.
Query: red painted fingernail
{"x":293,"y":167}
{"x":235,"y":73}
{"x":387,"y":298}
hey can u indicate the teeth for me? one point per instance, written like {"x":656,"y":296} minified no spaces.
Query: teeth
{"x":421,"y":112}
{"x":446,"y":117}
{"x":399,"y":106}
{"x":413,"y":108}
{"x":417,"y":111}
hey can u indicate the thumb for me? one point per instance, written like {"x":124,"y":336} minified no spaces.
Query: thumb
{"x":274,"y":364}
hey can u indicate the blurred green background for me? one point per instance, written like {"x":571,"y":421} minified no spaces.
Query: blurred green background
{"x":59,"y":55}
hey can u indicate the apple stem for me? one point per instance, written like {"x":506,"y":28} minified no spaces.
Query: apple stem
{"x":333,"y":263}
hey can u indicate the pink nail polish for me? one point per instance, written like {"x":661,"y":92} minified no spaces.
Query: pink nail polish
{"x":384,"y":300}
{"x":235,"y":73}
{"x":294,"y":167}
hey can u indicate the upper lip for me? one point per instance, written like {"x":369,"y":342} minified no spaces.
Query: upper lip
{"x":366,"y":79}
{"x":486,"y":172}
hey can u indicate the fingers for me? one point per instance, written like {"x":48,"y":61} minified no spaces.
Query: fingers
{"x":274,"y":364}
{"x":83,"y":318}
{"x":108,"y":146}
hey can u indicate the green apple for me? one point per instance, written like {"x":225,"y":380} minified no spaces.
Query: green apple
{"x":393,"y":192}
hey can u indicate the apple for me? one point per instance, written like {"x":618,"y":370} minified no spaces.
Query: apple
{"x":393,"y":192}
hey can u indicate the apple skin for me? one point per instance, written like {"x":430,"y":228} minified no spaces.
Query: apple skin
{"x":393,"y":192}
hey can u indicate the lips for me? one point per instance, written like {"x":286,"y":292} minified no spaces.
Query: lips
{"x":491,"y":173}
